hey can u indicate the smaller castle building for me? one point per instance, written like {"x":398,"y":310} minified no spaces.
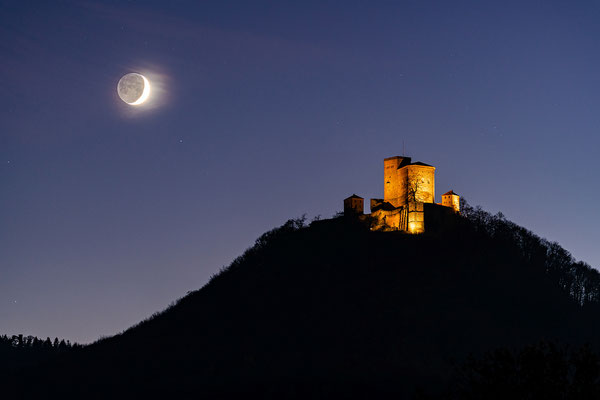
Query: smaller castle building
{"x":452,"y":200}
{"x":354,"y":205}
{"x":408,"y":202}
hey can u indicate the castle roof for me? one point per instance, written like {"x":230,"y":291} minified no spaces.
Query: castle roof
{"x":404,"y":161}
{"x":384,"y":206}
{"x":449,"y":193}
{"x":354,"y":196}
{"x":421,"y":163}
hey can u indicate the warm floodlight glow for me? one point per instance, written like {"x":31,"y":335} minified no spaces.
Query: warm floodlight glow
{"x":414,"y":227}
{"x":145,"y":93}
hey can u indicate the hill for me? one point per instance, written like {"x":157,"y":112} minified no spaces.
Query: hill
{"x":333,"y":309}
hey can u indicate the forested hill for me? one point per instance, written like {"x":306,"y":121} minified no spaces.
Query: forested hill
{"x":333,"y":309}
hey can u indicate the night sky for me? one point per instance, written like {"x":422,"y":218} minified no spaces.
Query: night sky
{"x":261,"y":112}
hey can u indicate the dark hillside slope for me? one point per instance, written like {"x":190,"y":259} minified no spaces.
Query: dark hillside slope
{"x":332,"y":309}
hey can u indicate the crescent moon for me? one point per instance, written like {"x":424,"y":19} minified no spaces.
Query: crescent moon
{"x":145,"y":93}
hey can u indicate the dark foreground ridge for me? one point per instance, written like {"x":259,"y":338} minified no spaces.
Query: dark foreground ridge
{"x":334,"y":310}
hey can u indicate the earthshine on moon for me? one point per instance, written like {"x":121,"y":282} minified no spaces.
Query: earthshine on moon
{"x":133,"y":89}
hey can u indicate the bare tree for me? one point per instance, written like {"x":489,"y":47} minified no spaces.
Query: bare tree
{"x":414,"y":185}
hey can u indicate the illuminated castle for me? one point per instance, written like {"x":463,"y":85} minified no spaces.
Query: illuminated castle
{"x":408,"y":202}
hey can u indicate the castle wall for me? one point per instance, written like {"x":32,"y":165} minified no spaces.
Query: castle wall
{"x":438,"y":217}
{"x":393,"y":188}
{"x":421,"y":183}
{"x":416,"y":217}
{"x":390,"y":219}
{"x":398,"y":187}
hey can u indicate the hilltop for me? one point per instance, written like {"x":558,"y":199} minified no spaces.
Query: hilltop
{"x":332,"y":309}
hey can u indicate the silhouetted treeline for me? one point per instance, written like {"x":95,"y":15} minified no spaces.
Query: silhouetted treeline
{"x":577,"y":278}
{"x":542,"y":371}
{"x":18,"y":350}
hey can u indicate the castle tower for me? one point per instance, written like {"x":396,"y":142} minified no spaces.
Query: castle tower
{"x":452,"y":200}
{"x":354,"y":205}
{"x":408,"y":186}
{"x":405,"y":181}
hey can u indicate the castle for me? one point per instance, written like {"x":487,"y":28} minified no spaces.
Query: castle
{"x":408,"y":202}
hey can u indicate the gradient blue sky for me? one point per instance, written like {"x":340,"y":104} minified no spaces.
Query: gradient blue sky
{"x":264,"y":111}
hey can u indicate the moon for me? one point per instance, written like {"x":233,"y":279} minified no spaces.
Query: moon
{"x":133,"y":89}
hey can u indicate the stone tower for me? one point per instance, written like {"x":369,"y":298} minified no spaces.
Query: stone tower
{"x":452,"y":200}
{"x":406,"y":181}
{"x":354,"y":205}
